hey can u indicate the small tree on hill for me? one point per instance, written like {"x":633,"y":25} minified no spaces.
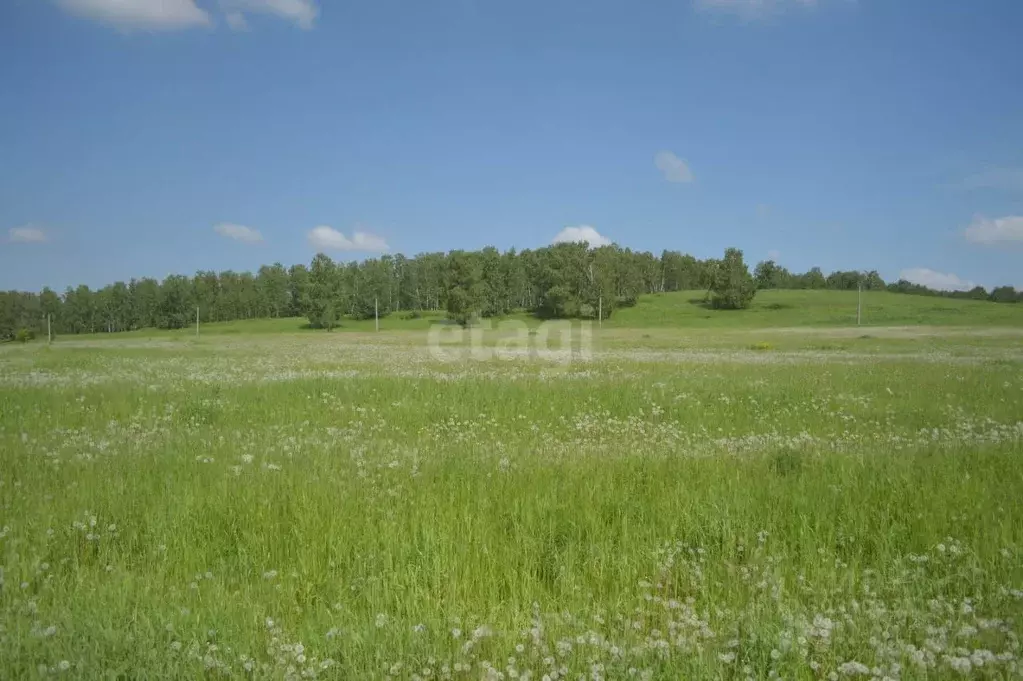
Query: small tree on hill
{"x":733,"y":287}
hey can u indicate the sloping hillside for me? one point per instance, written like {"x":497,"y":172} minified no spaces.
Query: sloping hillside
{"x":815,"y":308}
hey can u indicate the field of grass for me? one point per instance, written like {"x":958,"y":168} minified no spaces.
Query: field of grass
{"x":817,"y":308}
{"x":686,"y":310}
{"x":675,"y":504}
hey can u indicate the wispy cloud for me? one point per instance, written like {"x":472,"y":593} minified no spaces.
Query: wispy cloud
{"x":997,"y":232}
{"x":674,"y":168}
{"x":27,"y":235}
{"x":302,"y":13}
{"x":238,"y":232}
{"x":1002,"y":179}
{"x":751,"y":9}
{"x":774,"y":255}
{"x":940,"y":281}
{"x":236,"y":21}
{"x":583,"y":233}
{"x":147,"y":15}
{"x":170,"y":15}
{"x":329,"y":239}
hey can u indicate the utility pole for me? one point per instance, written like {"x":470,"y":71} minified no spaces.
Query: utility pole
{"x":376,"y":313}
{"x":600,"y":312}
{"x":196,"y":321}
{"x":859,"y":301}
{"x":49,"y":335}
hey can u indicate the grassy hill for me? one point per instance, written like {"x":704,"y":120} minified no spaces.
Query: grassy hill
{"x":815,"y":308}
{"x":686,"y":310}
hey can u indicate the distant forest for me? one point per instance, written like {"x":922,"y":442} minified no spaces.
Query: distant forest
{"x":566,"y":280}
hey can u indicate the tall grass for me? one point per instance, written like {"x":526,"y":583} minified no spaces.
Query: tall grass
{"x":283,"y":511}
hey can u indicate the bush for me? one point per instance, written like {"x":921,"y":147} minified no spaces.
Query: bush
{"x":24,"y":335}
{"x":628,"y":300}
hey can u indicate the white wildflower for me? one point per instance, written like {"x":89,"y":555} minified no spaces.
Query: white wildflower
{"x":853,"y":668}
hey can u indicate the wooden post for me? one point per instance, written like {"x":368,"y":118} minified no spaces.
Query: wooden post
{"x":376,"y":313}
{"x":600,"y":312}
{"x":196,"y":321}
{"x":49,"y":335}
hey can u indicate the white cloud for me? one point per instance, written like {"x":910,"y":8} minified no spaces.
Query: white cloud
{"x":584,"y":233}
{"x":238,"y":232}
{"x":141,"y":14}
{"x":236,"y":21}
{"x":302,"y":12}
{"x":27,"y":235}
{"x":936,"y":280}
{"x":751,"y":9}
{"x":1004,"y":179}
{"x":674,"y":168}
{"x":329,"y":239}
{"x":1007,"y":230}
{"x":773,"y":255}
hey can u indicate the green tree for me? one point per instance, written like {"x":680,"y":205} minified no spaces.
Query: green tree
{"x":51,"y":304}
{"x":1004,"y":294}
{"x":206,"y":290}
{"x":272,"y":283}
{"x":767,"y":275}
{"x":872,"y":281}
{"x":977,"y":293}
{"x":369,"y":285}
{"x":517,"y":293}
{"x":494,"y":284}
{"x":734,"y":287}
{"x":321,"y":303}
{"x":600,"y":298}
{"x":298,"y":281}
{"x":814,"y":279}
{"x":145,"y":295}
{"x":680,"y":272}
{"x":175,"y":309}
{"x":20,"y":313}
{"x":465,"y":291}
{"x":79,"y":309}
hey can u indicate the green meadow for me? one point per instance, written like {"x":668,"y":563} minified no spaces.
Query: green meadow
{"x":687,"y":311}
{"x":687,"y":494}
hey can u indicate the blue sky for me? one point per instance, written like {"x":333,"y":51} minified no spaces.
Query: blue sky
{"x":149,"y":137}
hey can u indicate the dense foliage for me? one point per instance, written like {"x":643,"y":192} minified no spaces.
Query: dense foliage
{"x":733,"y":287}
{"x":564,"y":280}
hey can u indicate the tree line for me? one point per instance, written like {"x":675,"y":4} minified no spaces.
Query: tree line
{"x":568,"y":280}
